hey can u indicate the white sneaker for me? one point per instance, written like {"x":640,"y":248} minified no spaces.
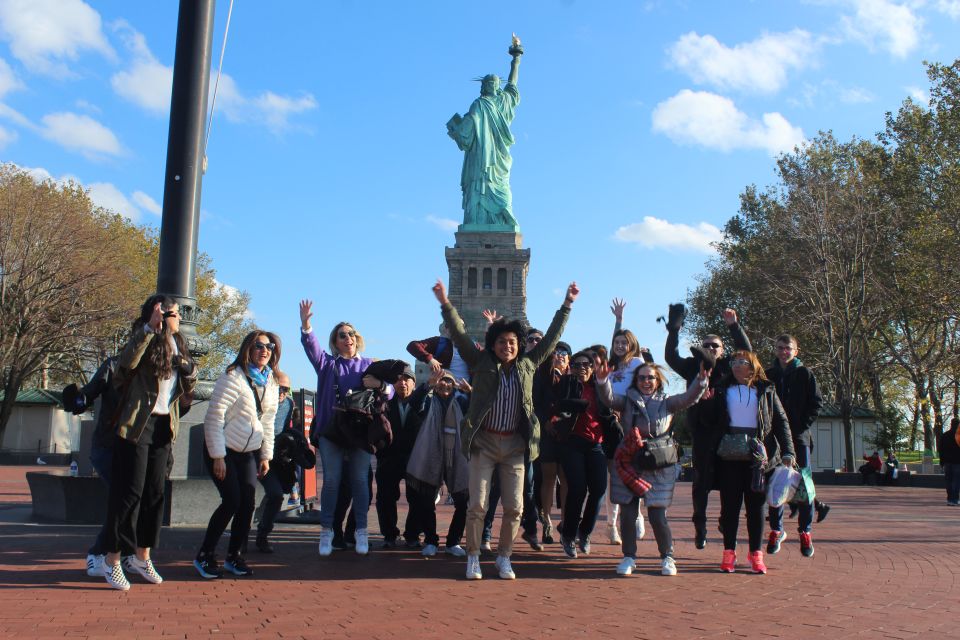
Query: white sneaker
{"x":326,"y":541}
{"x":668,"y":567}
{"x":144,"y":567}
{"x":641,"y":527}
{"x":94,"y":565}
{"x":429,"y":550}
{"x":363,"y":544}
{"x":456,"y":550}
{"x":473,"y":567}
{"x":615,"y":535}
{"x":114,"y":575}
{"x":506,"y":571}
{"x":625,"y":568}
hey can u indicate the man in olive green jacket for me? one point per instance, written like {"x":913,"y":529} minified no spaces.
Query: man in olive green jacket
{"x":500,"y":425}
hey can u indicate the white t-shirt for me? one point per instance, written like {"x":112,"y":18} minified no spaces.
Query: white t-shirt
{"x":742,"y":406}
{"x":620,"y":380}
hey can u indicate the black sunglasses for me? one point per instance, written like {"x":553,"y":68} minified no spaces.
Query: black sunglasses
{"x":346,"y":334}
{"x":263,"y":346}
{"x":711,"y":345}
{"x":534,"y":338}
{"x":284,"y":389}
{"x":562,"y":353}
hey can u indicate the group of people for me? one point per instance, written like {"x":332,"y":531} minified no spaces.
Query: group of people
{"x":522,"y":419}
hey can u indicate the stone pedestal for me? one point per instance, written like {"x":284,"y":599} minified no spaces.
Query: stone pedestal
{"x":487,"y":270}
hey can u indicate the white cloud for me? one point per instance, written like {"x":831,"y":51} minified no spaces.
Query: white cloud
{"x":892,"y":26}
{"x":949,"y":7}
{"x":44,"y":34}
{"x":108,"y":196}
{"x":268,"y":108}
{"x":654,"y":233}
{"x":920,"y":96}
{"x":8,"y":79}
{"x":80,"y":133}
{"x":757,"y":66}
{"x":855,"y":95}
{"x":6,"y":137}
{"x":444,"y":224}
{"x":712,"y":121}
{"x":232,"y":293}
{"x":146,"y":82}
{"x":147,"y":203}
{"x":85,"y":105}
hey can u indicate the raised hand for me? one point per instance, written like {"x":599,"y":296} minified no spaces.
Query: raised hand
{"x":729,"y":316}
{"x":306,"y":312}
{"x":435,"y":367}
{"x":440,"y":292}
{"x":602,"y":371}
{"x":617,"y":308}
{"x":464,"y":386}
{"x":491,"y":315}
{"x":156,"y":318}
{"x":572,"y":292}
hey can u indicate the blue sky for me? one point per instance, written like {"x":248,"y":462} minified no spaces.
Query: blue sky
{"x":331,"y":175}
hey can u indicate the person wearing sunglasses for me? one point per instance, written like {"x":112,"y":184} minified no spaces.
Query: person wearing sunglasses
{"x":546,"y":468}
{"x":338,"y":373}
{"x":238,"y":434}
{"x":500,"y":429}
{"x":647,"y":412}
{"x":581,"y":399}
{"x":153,"y":373}
{"x":705,"y":441}
{"x":745,"y":405}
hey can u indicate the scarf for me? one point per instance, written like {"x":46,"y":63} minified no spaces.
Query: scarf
{"x":259,"y":377}
{"x":426,"y":465}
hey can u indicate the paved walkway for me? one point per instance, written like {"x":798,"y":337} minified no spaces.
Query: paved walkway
{"x":887,"y":565}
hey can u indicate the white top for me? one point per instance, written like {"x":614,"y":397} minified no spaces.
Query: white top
{"x":621,"y":378}
{"x":231,"y":420}
{"x":458,"y":367}
{"x":742,"y":406}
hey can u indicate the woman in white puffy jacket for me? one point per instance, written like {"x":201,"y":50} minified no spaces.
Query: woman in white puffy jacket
{"x":238,"y":431}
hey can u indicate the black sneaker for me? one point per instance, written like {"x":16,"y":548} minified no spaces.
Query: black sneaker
{"x":584,"y":545}
{"x":822,"y":511}
{"x":207,"y":566}
{"x":338,"y":542}
{"x":236,"y":565}
{"x":569,"y":546}
{"x":531,"y":539}
{"x":262,"y":545}
{"x":700,"y":537}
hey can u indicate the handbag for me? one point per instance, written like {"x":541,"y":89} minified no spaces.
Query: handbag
{"x":806,"y":491}
{"x":657,"y":452}
{"x":359,"y":419}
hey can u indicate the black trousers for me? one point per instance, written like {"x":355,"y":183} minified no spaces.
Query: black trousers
{"x":734,"y":479}
{"x":135,"y":508}
{"x":428,"y":516}
{"x":272,"y":501}
{"x":237,"y":496}
{"x":390,"y":471}
{"x":704,"y":460}
{"x":585,"y":468}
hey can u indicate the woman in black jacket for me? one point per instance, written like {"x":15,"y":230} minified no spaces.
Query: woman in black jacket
{"x":745,"y":403}
{"x":583,"y":401}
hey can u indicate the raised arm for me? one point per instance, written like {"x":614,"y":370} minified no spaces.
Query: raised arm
{"x":616,"y":308}
{"x":692,"y":395}
{"x":515,"y":51}
{"x":468,"y":350}
{"x":550,"y":339}
{"x":315,"y":353}
{"x":740,"y":339}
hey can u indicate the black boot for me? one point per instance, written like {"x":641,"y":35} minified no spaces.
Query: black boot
{"x":262,"y":545}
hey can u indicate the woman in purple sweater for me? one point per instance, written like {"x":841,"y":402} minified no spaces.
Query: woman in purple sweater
{"x":343,"y":370}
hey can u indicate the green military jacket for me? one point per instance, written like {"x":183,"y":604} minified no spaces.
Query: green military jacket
{"x":485,"y":378}
{"x":137,"y":377}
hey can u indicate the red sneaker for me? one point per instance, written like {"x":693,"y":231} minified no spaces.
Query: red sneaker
{"x":756,"y":562}
{"x":773,"y":542}
{"x":729,"y":562}
{"x":806,"y":544}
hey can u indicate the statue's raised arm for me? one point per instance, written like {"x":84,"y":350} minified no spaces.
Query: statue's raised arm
{"x":483,"y":134}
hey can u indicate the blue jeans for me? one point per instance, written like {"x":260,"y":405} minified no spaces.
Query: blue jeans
{"x":357,"y":464}
{"x":805,"y":517}
{"x":951,"y":471}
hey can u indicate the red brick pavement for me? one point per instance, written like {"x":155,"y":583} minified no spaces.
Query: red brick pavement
{"x":886,"y":565}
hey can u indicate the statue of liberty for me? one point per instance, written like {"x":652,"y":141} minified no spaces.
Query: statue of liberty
{"x":483,"y":135}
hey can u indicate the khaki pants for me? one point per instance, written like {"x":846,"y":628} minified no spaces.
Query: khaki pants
{"x":504,"y":453}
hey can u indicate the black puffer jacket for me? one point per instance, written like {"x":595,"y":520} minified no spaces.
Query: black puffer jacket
{"x":771,"y":418}
{"x":797,"y":389}
{"x":290,"y":451}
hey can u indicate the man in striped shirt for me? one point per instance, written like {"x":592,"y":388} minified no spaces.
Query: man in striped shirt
{"x":500,"y":426}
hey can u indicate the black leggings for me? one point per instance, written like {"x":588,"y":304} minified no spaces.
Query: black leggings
{"x":237,"y":494}
{"x":734,"y":479}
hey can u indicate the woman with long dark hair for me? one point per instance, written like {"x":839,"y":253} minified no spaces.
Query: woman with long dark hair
{"x":238,"y":433}
{"x":583,"y":397}
{"x":745,"y":406}
{"x":153,"y":372}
